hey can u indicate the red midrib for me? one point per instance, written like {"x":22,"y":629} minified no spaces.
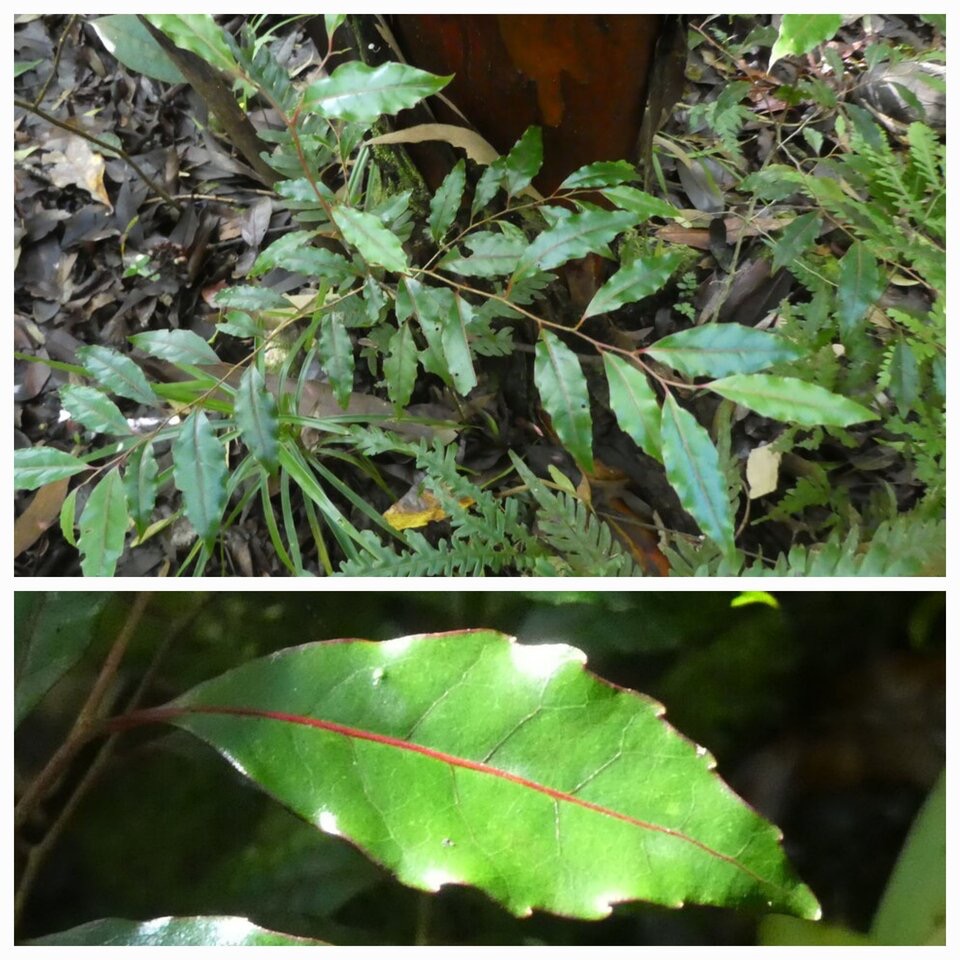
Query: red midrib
{"x":355,"y":733}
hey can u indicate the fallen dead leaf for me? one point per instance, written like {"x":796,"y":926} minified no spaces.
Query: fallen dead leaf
{"x":39,"y":516}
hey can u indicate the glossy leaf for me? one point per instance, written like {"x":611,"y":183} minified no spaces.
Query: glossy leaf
{"x":332,"y":22}
{"x":859,"y":287}
{"x":68,"y":517}
{"x":198,"y":33}
{"x":172,"y":932}
{"x":103,"y":526}
{"x":357,"y":92}
{"x":791,"y":400}
{"x":644,"y":205}
{"x":456,"y":348}
{"x":693,"y":469}
{"x":336,"y":356}
{"x":37,"y":466}
{"x":131,"y":43}
{"x":294,"y":252}
{"x":97,"y":412}
{"x":257,"y":418}
{"x":796,"y":238}
{"x":634,"y":404}
{"x":117,"y":373}
{"x":563,"y":392}
{"x":200,"y":474}
{"x":432,"y":307}
{"x":721,"y":349}
{"x":467,"y":758}
{"x":904,"y":377}
{"x":51,"y":632}
{"x":606,"y":173}
{"x":177,"y":346}
{"x":376,"y":244}
{"x":445,"y":203}
{"x":801,"y":32}
{"x":246,"y":297}
{"x":639,"y":279}
{"x":400,"y":365}
{"x":140,"y":483}
{"x":523,"y":162}
{"x":573,"y":237}
{"x":492,"y":255}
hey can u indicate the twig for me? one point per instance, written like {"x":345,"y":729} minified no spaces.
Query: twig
{"x":56,"y":61}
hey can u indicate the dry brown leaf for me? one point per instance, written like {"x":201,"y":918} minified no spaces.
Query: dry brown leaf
{"x":39,"y":516}
{"x":477,"y":148}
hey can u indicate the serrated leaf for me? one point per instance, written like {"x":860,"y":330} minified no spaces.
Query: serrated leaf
{"x":573,"y":237}
{"x":251,"y":298}
{"x":294,"y":252}
{"x":860,"y":285}
{"x":491,"y":180}
{"x":37,"y":466}
{"x":904,"y":377}
{"x":177,"y":346}
{"x":336,"y":356}
{"x":523,"y":162}
{"x":634,"y":404}
{"x":357,"y":92}
{"x":432,"y":306}
{"x":563,"y":393}
{"x":51,"y":632}
{"x":796,"y":238}
{"x":646,"y":275}
{"x":198,"y":33}
{"x":456,"y":348}
{"x":693,"y":469}
{"x":206,"y":931}
{"x":720,"y":349}
{"x":791,"y":400}
{"x":606,"y":173}
{"x":801,"y":32}
{"x":570,"y":796}
{"x":492,"y":255}
{"x":200,"y":474}
{"x":98,"y":413}
{"x":644,"y":205}
{"x":257,"y":418}
{"x":375,"y":243}
{"x":140,"y":483}
{"x":117,"y":373}
{"x":400,"y":365}
{"x":445,"y":203}
{"x":103,"y":526}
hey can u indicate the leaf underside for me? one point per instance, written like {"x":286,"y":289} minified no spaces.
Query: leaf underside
{"x":467,"y":758}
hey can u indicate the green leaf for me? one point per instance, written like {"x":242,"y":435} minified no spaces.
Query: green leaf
{"x":720,"y":349}
{"x":103,"y":526}
{"x":646,"y":275}
{"x":468,"y":758}
{"x":256,"y":413}
{"x":200,"y":474}
{"x":20,"y":67}
{"x":376,"y":244}
{"x":37,"y":466}
{"x":400,"y":365}
{"x":130,"y":42}
{"x":644,"y":205}
{"x":363,"y":94}
{"x":796,"y":238}
{"x":859,"y":287}
{"x":98,"y":413}
{"x":573,"y":237}
{"x":523,"y":162}
{"x":294,"y":252}
{"x":332,"y":22}
{"x":904,"y":377}
{"x":51,"y":632}
{"x":252,"y":298}
{"x":140,"y":483}
{"x":117,"y":373}
{"x":198,"y":33}
{"x":634,"y":403}
{"x":172,"y":932}
{"x":606,"y":173}
{"x":791,"y":400}
{"x":336,"y":356}
{"x":177,"y":346}
{"x":456,"y":348}
{"x":563,"y":392}
{"x":801,"y":32}
{"x":445,"y":203}
{"x":491,"y":180}
{"x":492,"y":255}
{"x":433,"y":307}
{"x":68,"y":514}
{"x":693,"y":469}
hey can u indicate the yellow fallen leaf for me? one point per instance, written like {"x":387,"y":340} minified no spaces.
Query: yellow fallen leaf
{"x":763,"y":470}
{"x":416,"y":508}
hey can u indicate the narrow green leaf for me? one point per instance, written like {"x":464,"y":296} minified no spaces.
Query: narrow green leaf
{"x":177,"y":346}
{"x":103,"y":526}
{"x":801,"y":32}
{"x":634,"y":404}
{"x":573,"y":237}
{"x":445,"y":203}
{"x":332,"y":22}
{"x":904,"y":377}
{"x":257,"y":418}
{"x":336,"y":356}
{"x":523,"y":162}
{"x":646,"y":275}
{"x":606,"y":173}
{"x":720,"y":349}
{"x":117,"y":373}
{"x":200,"y":474}
{"x":796,"y":238}
{"x":859,"y":287}
{"x":140,"y":483}
{"x":37,"y":466}
{"x":491,"y":180}
{"x":570,"y":795}
{"x":68,"y":517}
{"x":400,"y":365}
{"x":51,"y":632}
{"x":376,"y":244}
{"x":434,"y":309}
{"x":644,"y":205}
{"x":791,"y":400}
{"x":563,"y":393}
{"x":693,"y":469}
{"x":294,"y":252}
{"x":251,"y":298}
{"x":98,"y":413}
{"x":357,"y":92}
{"x":456,"y":348}
{"x":492,"y":255}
